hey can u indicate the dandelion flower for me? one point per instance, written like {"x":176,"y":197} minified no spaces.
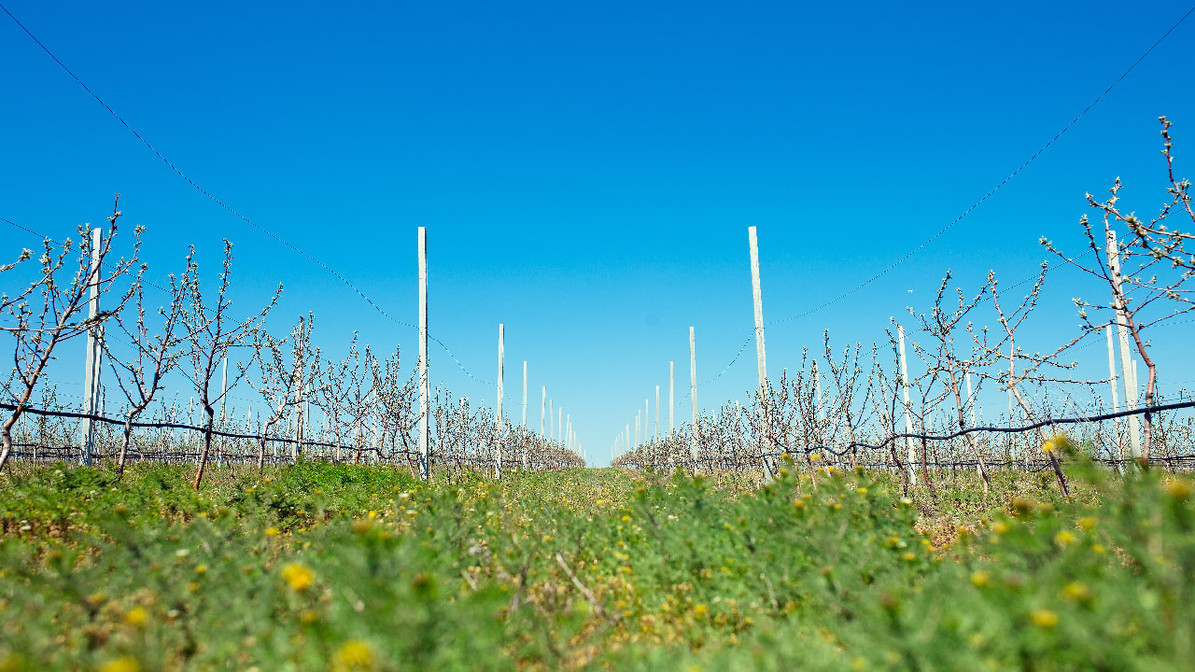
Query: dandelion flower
{"x":137,"y":617}
{"x":298,"y":576}
{"x":354,"y":656}
{"x":1044,"y":618}
{"x":122,"y":664}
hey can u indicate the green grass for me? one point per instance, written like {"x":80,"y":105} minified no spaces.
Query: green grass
{"x":317,"y":567}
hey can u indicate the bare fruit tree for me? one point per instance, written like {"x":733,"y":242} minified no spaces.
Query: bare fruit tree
{"x":284,"y":375}
{"x":139,"y":375}
{"x":342,"y":391}
{"x":1147,"y":277}
{"x":845,"y":375}
{"x":211,"y":334}
{"x":1158,"y":239}
{"x":51,"y":310}
{"x":945,"y":362}
{"x":395,"y":401}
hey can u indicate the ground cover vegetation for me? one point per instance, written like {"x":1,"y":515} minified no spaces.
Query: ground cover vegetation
{"x":358,"y":567}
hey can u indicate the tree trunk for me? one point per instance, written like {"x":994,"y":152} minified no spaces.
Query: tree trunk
{"x":207,"y":445}
{"x":6,"y":431}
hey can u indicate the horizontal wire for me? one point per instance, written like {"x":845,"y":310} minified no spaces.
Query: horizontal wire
{"x":228,"y":208}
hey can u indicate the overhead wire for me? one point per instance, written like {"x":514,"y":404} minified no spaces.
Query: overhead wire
{"x":991,"y":192}
{"x":225,"y":206}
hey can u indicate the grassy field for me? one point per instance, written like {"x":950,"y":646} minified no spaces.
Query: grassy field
{"x":323,"y":567}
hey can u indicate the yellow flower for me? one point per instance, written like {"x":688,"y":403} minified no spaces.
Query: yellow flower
{"x":1087,"y":522}
{"x":700,"y":610}
{"x":1179,"y":491}
{"x":1001,"y":527}
{"x":980,"y":578}
{"x":137,"y":617}
{"x":122,"y":664}
{"x":272,"y":532}
{"x":909,"y":557}
{"x":1044,"y":618}
{"x":1064,"y":538}
{"x":861,"y":491}
{"x":298,"y":576}
{"x":201,"y":569}
{"x":1078,"y":592}
{"x":354,"y":656}
{"x":1059,"y":443}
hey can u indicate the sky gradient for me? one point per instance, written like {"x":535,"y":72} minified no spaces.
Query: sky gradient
{"x":587,"y":171}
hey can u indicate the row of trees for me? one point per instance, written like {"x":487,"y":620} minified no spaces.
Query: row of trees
{"x":1144,"y":265}
{"x":366,"y":402}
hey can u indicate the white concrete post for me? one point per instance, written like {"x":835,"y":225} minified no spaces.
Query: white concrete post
{"x":671,"y":397}
{"x":904,"y":382}
{"x":1112,"y":378}
{"x":1126,"y":355}
{"x":970,"y":403}
{"x":91,"y":364}
{"x":693,"y":394}
{"x":425,"y":390}
{"x":524,"y":428}
{"x":223,"y":407}
{"x":761,"y":360}
{"x":646,"y":415}
{"x":817,"y":392}
{"x":498,"y":410}
{"x":657,"y":432}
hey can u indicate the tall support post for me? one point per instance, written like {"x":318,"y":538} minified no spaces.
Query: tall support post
{"x":904,"y":383}
{"x":657,"y":432}
{"x":1112,"y":378}
{"x":817,"y":392}
{"x":761,"y":359}
{"x":646,"y":415}
{"x":1126,"y":355}
{"x":498,"y":410}
{"x":970,"y":399}
{"x":971,"y":406}
{"x":223,"y":407}
{"x":693,"y":394}
{"x":524,"y":430}
{"x":91,"y":364}
{"x":671,"y":397}
{"x":425,"y":390}
{"x":300,"y":414}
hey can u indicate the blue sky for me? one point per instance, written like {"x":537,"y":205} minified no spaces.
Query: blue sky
{"x":587,"y":171}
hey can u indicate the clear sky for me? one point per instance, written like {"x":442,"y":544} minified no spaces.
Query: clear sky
{"x":587,"y":171}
